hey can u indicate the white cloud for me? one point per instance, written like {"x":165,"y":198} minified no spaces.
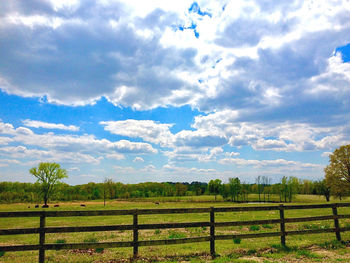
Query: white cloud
{"x":263,"y":163}
{"x":115,"y":156}
{"x":45,"y":125}
{"x":138,"y":159}
{"x":326,"y":154}
{"x":148,"y":130}
{"x":246,"y":54}
{"x":65,"y":148}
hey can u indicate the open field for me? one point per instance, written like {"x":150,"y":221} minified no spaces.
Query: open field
{"x":310,"y":248}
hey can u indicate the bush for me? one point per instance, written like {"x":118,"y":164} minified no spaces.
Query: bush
{"x":237,"y":240}
{"x":254,"y":228}
{"x":2,"y":253}
{"x":157,"y":232}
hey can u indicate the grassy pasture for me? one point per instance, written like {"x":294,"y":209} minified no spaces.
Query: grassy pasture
{"x":311,"y":248}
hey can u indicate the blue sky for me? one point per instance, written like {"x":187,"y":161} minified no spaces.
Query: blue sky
{"x":173,"y":90}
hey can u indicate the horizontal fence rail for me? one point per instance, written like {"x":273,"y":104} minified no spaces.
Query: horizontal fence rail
{"x":135,"y":227}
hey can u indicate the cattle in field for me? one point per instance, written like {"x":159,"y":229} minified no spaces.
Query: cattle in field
{"x":56,"y":206}
{"x":36,"y":206}
{"x":83,"y":205}
{"x":45,"y":206}
{"x":156,"y":203}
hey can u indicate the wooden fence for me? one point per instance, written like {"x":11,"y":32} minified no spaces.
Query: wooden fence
{"x":135,"y":227}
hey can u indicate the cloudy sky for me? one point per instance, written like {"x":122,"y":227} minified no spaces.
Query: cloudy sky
{"x":173,"y":90}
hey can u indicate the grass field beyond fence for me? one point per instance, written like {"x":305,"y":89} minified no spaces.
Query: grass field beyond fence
{"x":139,"y":228}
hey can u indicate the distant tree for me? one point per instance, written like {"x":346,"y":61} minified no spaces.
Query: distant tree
{"x":235,"y":188}
{"x":337,"y":173}
{"x":284,"y":188}
{"x":214,"y":187}
{"x":108,"y":187}
{"x":181,"y":189}
{"x":258,"y":181}
{"x":322,"y":189}
{"x":293,"y":185}
{"x":49,"y":176}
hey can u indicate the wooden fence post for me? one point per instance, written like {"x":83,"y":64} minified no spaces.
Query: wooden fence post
{"x":212,"y":232}
{"x":336,"y":222}
{"x":136,"y":234}
{"x":42,"y":239}
{"x":282,"y":226}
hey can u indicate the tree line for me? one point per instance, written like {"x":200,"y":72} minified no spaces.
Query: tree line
{"x":234,"y":190}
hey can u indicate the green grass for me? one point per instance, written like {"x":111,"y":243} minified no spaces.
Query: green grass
{"x":231,"y":251}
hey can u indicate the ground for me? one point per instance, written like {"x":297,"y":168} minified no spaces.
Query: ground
{"x":301,"y":248}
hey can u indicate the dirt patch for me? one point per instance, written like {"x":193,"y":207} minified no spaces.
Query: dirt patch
{"x":252,"y":259}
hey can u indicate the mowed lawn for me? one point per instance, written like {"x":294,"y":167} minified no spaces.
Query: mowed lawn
{"x":301,"y":248}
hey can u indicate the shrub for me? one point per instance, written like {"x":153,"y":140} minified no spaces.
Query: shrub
{"x":157,"y":232}
{"x":237,"y":240}
{"x":2,"y":253}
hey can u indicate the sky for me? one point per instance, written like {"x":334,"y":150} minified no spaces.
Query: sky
{"x":180,"y":91}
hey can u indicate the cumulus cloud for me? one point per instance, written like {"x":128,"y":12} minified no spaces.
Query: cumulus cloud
{"x":148,"y":130}
{"x":235,"y":55}
{"x":275,"y":136}
{"x":23,"y":143}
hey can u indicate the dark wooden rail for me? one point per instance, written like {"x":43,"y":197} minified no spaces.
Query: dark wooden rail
{"x":135,"y":227}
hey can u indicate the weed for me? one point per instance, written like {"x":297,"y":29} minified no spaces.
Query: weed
{"x":251,"y":251}
{"x":157,"y":232}
{"x":237,"y":240}
{"x":267,"y":226}
{"x":307,"y":253}
{"x":175,"y":235}
{"x":315,"y":226}
{"x":99,"y":250}
{"x":90,"y":240}
{"x":335,"y":244}
{"x":61,"y":241}
{"x":281,"y":248}
{"x":254,"y":228}
{"x":204,"y":228}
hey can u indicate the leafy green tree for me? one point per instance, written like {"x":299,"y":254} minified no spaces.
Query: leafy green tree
{"x":322,"y":189}
{"x":235,"y":188}
{"x":214,"y":187}
{"x":49,"y":176}
{"x":337,"y":173}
